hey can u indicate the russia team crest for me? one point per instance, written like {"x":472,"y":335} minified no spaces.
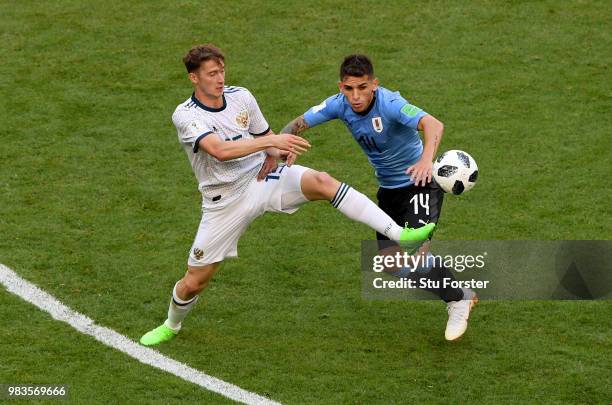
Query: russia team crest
{"x":377,"y":124}
{"x":242,"y":119}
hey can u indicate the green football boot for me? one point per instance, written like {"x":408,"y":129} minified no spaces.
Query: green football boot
{"x":158,"y":335}
{"x":417,"y":234}
{"x":411,"y":239}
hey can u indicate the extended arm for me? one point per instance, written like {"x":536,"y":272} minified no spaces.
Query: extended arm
{"x":432,"y":133}
{"x":223,"y":150}
{"x":296,"y":127}
{"x":432,"y":129}
{"x":273,"y":151}
{"x":270,"y":163}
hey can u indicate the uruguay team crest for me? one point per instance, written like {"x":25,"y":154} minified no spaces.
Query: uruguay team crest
{"x":242,"y":119}
{"x":377,"y":124}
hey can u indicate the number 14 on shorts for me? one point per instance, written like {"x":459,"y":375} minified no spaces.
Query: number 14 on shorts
{"x":420,"y":200}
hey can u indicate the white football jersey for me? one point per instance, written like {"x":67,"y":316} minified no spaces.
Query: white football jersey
{"x":239,"y":118}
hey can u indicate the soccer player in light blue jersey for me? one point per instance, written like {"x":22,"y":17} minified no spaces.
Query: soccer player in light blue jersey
{"x":387,"y":127}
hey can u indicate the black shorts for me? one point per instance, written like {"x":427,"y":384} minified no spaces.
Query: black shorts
{"x":412,"y":205}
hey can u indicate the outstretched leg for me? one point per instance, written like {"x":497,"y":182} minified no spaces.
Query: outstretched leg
{"x":321,"y":186}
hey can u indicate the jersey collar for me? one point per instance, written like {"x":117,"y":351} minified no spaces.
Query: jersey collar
{"x":207,"y":108}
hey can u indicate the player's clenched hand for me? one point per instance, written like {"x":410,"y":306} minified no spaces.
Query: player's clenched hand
{"x":420,"y":172}
{"x":291,"y":143}
{"x":287,"y":157}
{"x":290,"y":159}
{"x":269,"y":166}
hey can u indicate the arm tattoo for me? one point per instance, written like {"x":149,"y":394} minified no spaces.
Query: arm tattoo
{"x":295,"y":127}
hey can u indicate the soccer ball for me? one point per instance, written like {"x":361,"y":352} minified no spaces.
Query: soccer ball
{"x":455,"y":171}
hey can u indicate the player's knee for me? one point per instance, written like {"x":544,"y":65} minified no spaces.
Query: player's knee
{"x":325,"y":181}
{"x":327,"y":185}
{"x":323,"y":178}
{"x":194,"y":285}
{"x":319,"y":185}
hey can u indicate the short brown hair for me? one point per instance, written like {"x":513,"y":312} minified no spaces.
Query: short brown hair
{"x":357,"y":66}
{"x":201,"y":53}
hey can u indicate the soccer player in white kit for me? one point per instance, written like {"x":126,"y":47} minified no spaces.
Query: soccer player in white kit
{"x":233,"y":154}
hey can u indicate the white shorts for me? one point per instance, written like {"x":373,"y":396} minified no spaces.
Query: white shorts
{"x":220,"y":230}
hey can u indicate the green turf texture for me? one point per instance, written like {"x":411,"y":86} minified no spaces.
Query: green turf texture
{"x":98,"y":204}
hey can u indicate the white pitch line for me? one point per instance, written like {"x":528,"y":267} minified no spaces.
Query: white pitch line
{"x":34,"y":295}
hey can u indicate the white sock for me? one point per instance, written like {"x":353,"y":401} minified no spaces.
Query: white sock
{"x":178,"y":310}
{"x":360,"y":208}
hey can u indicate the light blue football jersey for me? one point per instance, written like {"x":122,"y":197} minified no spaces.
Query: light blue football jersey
{"x":387,"y":132}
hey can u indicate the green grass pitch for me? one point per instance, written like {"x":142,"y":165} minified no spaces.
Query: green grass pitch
{"x":98,"y":204}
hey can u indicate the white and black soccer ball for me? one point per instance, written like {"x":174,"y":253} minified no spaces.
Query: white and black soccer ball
{"x":455,"y":171}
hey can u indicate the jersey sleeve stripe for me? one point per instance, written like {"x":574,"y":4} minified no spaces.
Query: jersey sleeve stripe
{"x":196,"y":143}
{"x":261,"y":133}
